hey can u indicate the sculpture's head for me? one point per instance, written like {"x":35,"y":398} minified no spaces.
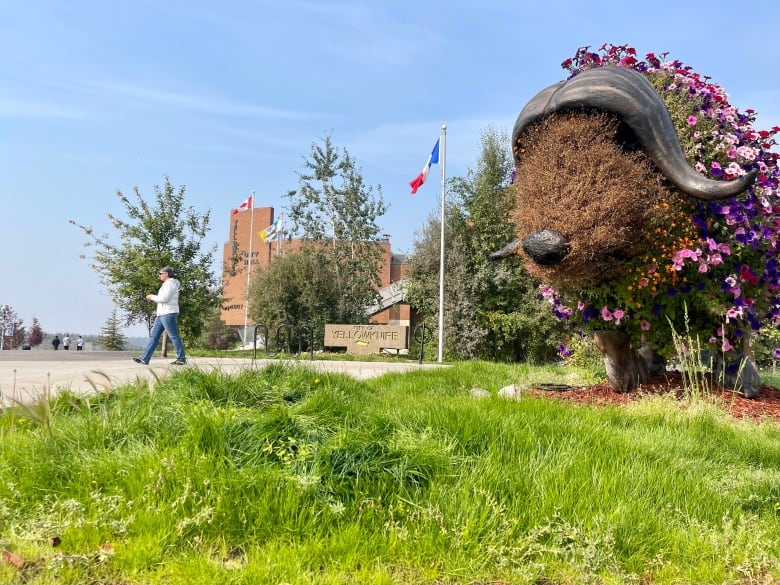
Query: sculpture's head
{"x":600,"y":173}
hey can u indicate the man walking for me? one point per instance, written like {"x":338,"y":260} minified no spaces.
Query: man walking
{"x":167,"y":299}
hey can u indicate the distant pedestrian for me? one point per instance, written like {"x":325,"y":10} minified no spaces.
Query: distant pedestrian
{"x":80,"y":343}
{"x":55,"y":343}
{"x":66,"y":342}
{"x":167,"y":299}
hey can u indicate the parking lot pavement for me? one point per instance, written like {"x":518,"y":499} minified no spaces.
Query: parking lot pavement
{"x":28,"y":375}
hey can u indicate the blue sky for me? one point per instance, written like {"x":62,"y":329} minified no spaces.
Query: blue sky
{"x":226,"y":98}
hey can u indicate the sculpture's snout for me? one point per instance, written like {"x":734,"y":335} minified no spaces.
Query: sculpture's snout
{"x":546,"y":247}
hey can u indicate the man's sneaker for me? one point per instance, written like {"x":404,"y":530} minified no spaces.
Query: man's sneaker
{"x":139,"y":360}
{"x":179,"y":362}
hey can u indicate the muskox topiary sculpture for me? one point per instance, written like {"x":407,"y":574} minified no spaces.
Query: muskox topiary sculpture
{"x":646,"y":206}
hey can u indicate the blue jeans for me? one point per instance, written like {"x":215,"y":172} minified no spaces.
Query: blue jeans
{"x":170,"y":324}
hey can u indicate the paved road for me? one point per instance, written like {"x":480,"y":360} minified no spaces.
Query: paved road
{"x":27,"y":375}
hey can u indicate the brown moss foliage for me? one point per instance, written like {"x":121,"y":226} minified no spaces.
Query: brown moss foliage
{"x":575,"y":177}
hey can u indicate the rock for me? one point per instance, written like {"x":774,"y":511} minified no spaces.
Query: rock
{"x":656,"y":364}
{"x":512,"y":392}
{"x":738,"y":372}
{"x":480,"y":393}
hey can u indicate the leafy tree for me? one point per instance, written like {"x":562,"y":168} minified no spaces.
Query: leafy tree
{"x":295,"y":290}
{"x":462,"y":336}
{"x":111,"y":337}
{"x":216,"y":333}
{"x":164,"y":233}
{"x":36,"y":334}
{"x":335,"y":210}
{"x":11,"y":329}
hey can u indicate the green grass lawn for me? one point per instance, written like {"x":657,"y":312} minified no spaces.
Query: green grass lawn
{"x":288,"y":476}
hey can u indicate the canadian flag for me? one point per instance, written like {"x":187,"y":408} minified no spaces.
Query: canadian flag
{"x":246,"y":204}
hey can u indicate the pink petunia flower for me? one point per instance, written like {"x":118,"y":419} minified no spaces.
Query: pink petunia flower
{"x":734,"y":313}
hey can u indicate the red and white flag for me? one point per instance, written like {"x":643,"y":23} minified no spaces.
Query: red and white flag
{"x":418,"y":181}
{"x":245,"y":204}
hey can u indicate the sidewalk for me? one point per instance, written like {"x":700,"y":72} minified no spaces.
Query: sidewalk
{"x":26,"y":375}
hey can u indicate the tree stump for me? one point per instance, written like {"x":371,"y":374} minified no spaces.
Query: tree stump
{"x":625,"y":369}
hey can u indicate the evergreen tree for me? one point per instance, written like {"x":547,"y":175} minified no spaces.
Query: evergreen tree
{"x":111,"y":337}
{"x":163,"y":234}
{"x":334,"y":210}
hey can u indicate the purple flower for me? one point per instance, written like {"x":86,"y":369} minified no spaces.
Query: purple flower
{"x":588,"y":313}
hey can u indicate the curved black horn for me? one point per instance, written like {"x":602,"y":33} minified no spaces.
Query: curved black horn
{"x":506,"y":251}
{"x":629,"y":96}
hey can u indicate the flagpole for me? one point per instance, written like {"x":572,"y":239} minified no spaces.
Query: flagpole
{"x":279,"y":233}
{"x":443,"y":161}
{"x":249,"y":262}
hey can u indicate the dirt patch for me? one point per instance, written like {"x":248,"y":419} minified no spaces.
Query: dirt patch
{"x":765,"y":406}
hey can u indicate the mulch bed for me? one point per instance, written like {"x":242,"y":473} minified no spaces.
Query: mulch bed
{"x":765,"y":406}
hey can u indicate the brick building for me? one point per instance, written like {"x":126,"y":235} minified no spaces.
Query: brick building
{"x":391,"y":310}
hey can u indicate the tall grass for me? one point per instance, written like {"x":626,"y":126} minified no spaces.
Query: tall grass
{"x":689,"y":351}
{"x":288,"y":476}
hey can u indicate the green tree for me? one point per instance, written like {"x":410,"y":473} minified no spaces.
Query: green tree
{"x":295,"y":290}
{"x":337,"y":212}
{"x":111,"y":337}
{"x":164,"y":233}
{"x":462,"y":336}
{"x":216,"y":333}
{"x":11,"y":329}
{"x":36,"y":334}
